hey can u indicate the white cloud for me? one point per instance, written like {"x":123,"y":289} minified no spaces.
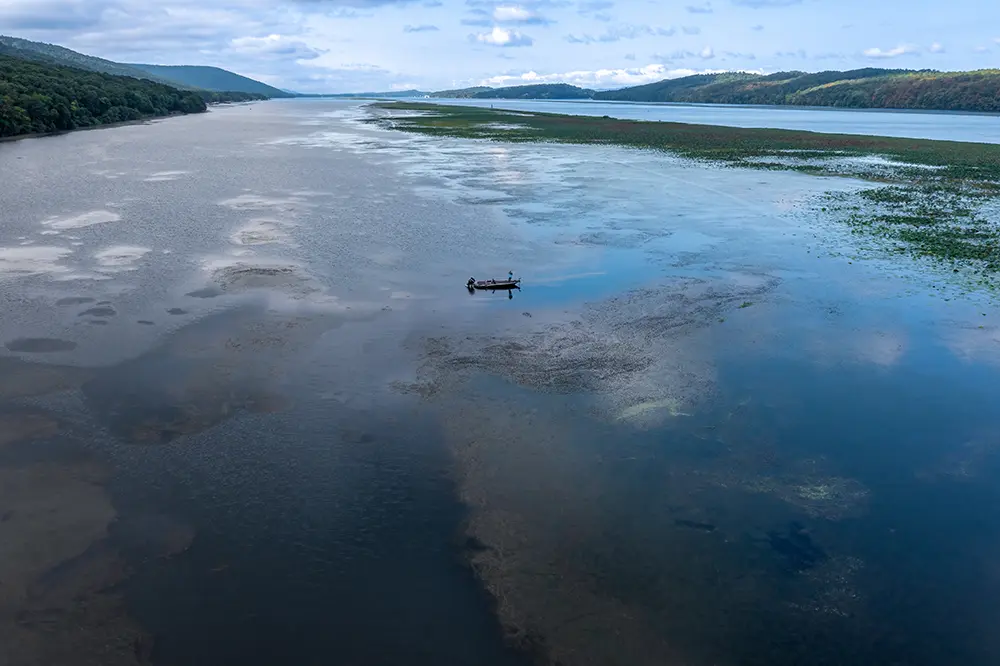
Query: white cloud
{"x":936,"y":47}
{"x":981,"y":49}
{"x":274,"y":45}
{"x":587,"y":6}
{"x":599,"y":78}
{"x":706,"y":53}
{"x":506,"y":15}
{"x":757,"y":4}
{"x":691,"y":30}
{"x":502,"y":37}
{"x":620,"y":32}
{"x":513,"y":14}
{"x":420,"y":28}
{"x":902,"y":49}
{"x":700,"y":9}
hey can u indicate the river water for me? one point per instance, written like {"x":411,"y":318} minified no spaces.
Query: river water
{"x":942,"y":125}
{"x":249,"y":413}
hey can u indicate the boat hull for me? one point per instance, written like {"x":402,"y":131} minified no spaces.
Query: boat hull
{"x":496,"y":284}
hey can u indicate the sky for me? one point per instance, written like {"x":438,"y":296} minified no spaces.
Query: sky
{"x":376,"y":45}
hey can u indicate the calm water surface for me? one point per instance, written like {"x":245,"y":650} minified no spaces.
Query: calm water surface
{"x":976,"y":127}
{"x":238,"y":354}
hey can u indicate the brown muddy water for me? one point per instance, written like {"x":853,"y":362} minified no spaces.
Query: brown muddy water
{"x":249,"y":414}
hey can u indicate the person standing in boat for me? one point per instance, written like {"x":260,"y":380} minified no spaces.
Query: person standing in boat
{"x":510,"y":276}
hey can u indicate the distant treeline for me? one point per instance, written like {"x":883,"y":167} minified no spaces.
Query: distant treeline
{"x":857,"y":89}
{"x":535,"y":91}
{"x":39,"y":98}
{"x":212,"y":97}
{"x":868,"y":88}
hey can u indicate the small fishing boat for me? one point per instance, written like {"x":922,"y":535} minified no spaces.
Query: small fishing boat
{"x":507,"y":283}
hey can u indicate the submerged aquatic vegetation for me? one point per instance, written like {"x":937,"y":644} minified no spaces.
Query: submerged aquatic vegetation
{"x":953,"y":223}
{"x":934,"y":199}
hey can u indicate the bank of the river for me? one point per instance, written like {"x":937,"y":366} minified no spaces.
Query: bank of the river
{"x":934,"y":199}
{"x":127,"y":123}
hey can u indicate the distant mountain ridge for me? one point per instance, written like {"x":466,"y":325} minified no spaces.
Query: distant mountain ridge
{"x":534,"y":91}
{"x":868,"y":88}
{"x":209,"y":78}
{"x":58,"y":55}
{"x":389,"y":94}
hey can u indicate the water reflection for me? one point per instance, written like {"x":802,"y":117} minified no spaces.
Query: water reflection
{"x":703,"y":444}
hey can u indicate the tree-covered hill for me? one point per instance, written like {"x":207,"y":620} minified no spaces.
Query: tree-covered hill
{"x":38,"y":98}
{"x":858,"y":89}
{"x":182,"y":77}
{"x":533,"y":91}
{"x":57,"y":55}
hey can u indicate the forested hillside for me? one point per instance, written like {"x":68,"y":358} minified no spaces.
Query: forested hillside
{"x":57,"y":55}
{"x":858,"y":89}
{"x":235,"y":87}
{"x":534,"y":91}
{"x":38,"y":98}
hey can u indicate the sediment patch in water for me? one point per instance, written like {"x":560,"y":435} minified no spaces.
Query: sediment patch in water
{"x":120,"y":257}
{"x":27,"y":261}
{"x":58,"y":603}
{"x":237,"y":276}
{"x":82,"y":220}
{"x":20,"y":425}
{"x":635,"y":353}
{"x":21,"y":379}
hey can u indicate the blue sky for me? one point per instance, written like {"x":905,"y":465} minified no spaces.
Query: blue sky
{"x":354,"y":45}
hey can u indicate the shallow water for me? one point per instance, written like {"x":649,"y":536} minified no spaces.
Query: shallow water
{"x":943,"y":125}
{"x":702,"y":433}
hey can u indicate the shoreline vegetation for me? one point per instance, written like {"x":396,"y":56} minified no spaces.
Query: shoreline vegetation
{"x":39,"y":99}
{"x":933,"y":199}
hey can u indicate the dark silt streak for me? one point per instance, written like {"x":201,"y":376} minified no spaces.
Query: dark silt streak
{"x":40,"y":345}
{"x":295,"y":527}
{"x":344,"y":549}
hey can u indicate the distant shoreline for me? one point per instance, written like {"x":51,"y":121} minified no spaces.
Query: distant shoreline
{"x":712,"y":105}
{"x":126,"y":123}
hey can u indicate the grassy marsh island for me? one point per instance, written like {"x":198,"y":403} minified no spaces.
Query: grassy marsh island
{"x":935,"y":199}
